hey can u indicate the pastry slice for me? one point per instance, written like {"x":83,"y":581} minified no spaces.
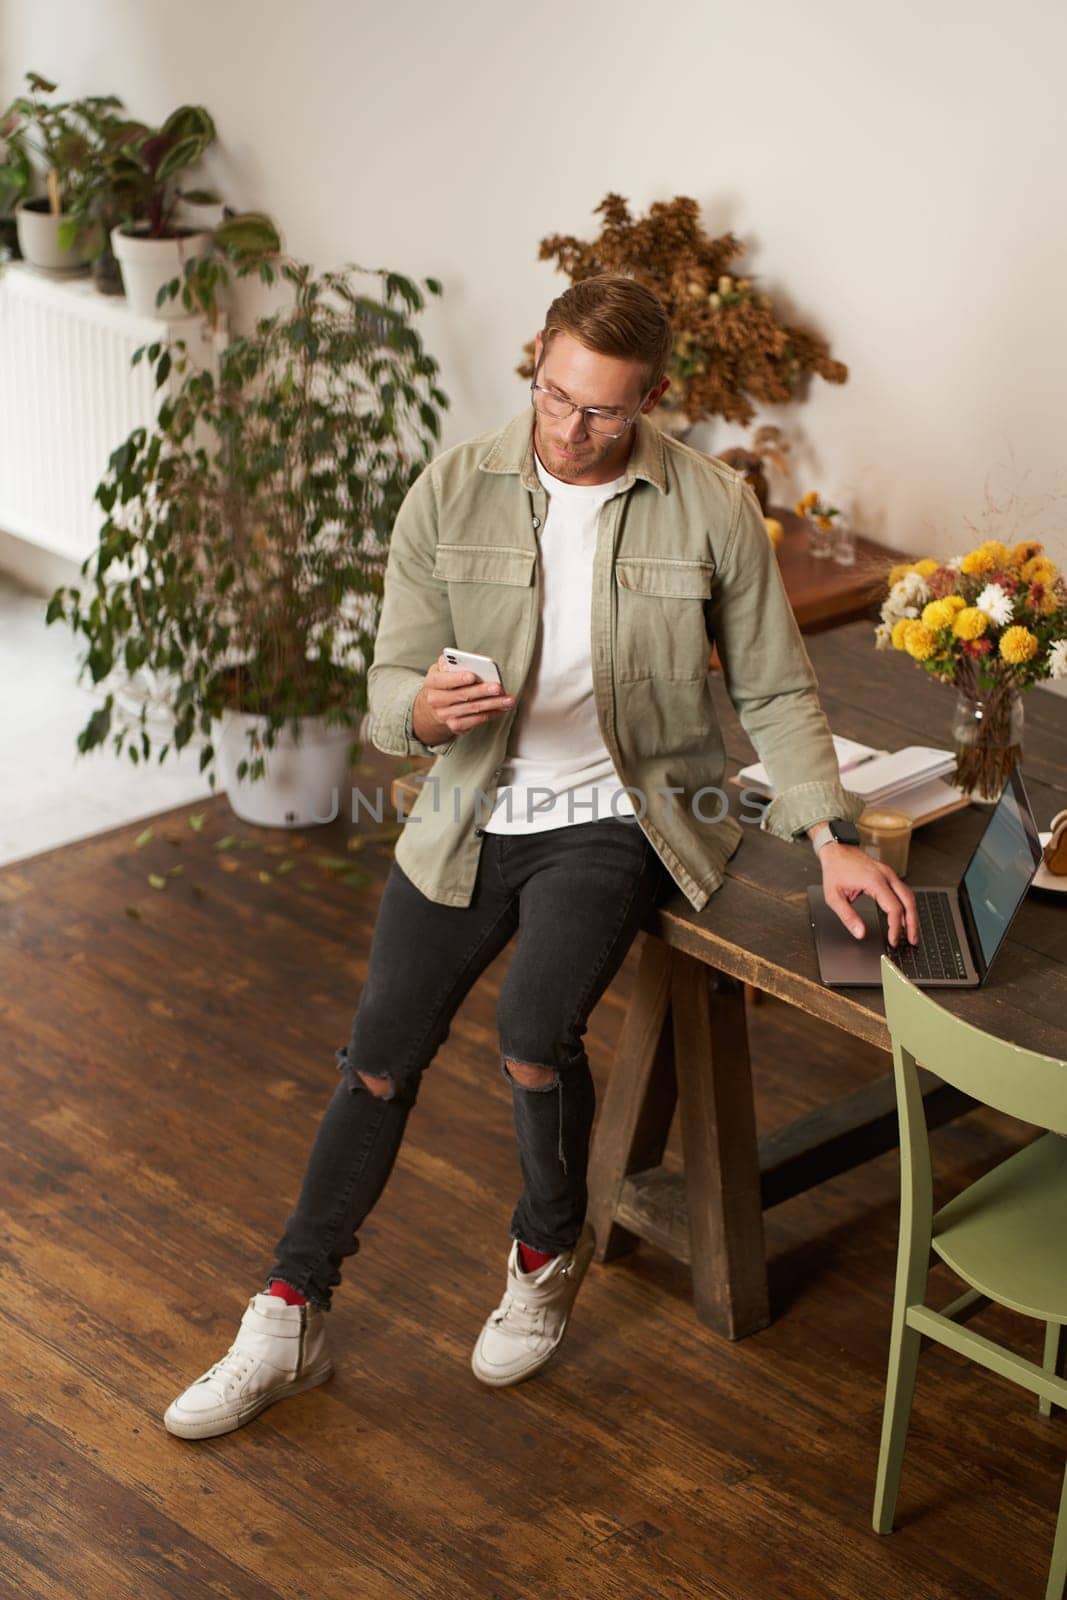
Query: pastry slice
{"x":1055,"y":852}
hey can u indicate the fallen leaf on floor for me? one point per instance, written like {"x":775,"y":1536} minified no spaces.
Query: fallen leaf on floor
{"x":228,"y":864}
{"x":355,"y":877}
{"x":156,"y":881}
{"x":175,"y":872}
{"x":285,"y":866}
{"x":143,"y":838}
{"x":197,"y":822}
{"x":264,"y":877}
{"x":225,"y":842}
{"x":132,"y":911}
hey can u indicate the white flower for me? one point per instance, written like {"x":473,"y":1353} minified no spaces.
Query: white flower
{"x":1057,"y":658}
{"x":906,"y":598}
{"x":955,"y":564}
{"x":996,"y":603}
{"x":883,"y":636}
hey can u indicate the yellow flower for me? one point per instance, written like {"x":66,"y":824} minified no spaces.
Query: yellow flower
{"x":901,"y":570}
{"x":775,"y":531}
{"x":1043,"y":601}
{"x":900,"y":632}
{"x":921,"y":642}
{"x":969,"y":623}
{"x":956,"y":601}
{"x":926,"y":566}
{"x":824,"y":522}
{"x":1000,"y":552}
{"x":938,"y":614}
{"x":1039,"y":569}
{"x":1018,"y":644}
{"x":1026,"y":551}
{"x":976,"y":562}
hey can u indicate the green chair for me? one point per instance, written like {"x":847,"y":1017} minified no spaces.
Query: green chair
{"x":1005,"y":1235}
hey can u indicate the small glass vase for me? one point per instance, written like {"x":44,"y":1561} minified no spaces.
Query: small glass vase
{"x":988,"y":733}
{"x":820,"y":540}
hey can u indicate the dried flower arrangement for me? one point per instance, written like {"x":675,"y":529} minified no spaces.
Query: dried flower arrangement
{"x":993,"y":622}
{"x":732,"y":351}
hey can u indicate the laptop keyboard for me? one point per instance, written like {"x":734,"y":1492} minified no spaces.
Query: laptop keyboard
{"x":937,"y":954}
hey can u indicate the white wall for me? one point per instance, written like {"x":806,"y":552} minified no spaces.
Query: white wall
{"x":896,"y":169}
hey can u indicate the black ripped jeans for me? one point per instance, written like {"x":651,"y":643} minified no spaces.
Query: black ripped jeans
{"x":577,"y":896}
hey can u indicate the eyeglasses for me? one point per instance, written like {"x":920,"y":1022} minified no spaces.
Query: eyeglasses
{"x":596,"y":419}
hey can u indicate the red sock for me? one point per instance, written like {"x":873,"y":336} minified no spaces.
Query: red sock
{"x":291,"y":1296}
{"x":532,"y":1260}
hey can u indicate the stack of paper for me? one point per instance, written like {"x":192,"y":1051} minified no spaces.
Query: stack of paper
{"x":886,"y":776}
{"x":908,"y":780}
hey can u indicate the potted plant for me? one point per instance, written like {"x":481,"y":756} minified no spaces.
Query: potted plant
{"x":62,"y":136}
{"x":732,"y":349}
{"x":161,"y":258}
{"x":106,"y":198}
{"x":241,"y":563}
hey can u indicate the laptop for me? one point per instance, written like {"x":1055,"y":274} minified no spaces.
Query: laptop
{"x":960,"y":929}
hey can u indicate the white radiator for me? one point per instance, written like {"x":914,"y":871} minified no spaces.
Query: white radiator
{"x":68,"y":397}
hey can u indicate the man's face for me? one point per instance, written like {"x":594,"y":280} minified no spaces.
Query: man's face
{"x":569,"y":449}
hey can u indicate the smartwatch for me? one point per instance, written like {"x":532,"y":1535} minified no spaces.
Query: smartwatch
{"x":839,"y":830}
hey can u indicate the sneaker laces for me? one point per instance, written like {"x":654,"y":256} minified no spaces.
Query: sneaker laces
{"x":232,"y":1369}
{"x":521,"y":1317}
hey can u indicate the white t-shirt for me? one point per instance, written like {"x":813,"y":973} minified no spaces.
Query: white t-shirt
{"x":555,"y":741}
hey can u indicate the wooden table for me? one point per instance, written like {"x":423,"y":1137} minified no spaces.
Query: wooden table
{"x":684,"y":1040}
{"x":822,"y":593}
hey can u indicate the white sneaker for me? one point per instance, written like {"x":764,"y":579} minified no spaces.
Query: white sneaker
{"x":279,"y":1350}
{"x":527,"y":1327}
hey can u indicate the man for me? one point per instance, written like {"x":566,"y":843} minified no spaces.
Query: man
{"x":595,"y":561}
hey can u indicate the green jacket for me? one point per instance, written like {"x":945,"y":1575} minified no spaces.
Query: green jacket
{"x":682,"y":551}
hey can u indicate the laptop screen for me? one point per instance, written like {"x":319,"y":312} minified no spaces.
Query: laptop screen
{"x":999,"y":872}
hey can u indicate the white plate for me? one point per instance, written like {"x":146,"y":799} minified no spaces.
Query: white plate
{"x":1043,"y":878}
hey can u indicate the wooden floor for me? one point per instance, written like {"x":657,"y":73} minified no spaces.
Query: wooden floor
{"x":162,"y":1076}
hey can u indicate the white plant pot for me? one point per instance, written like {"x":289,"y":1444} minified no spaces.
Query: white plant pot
{"x":38,"y":236}
{"x":147,"y":264}
{"x":307,"y":780}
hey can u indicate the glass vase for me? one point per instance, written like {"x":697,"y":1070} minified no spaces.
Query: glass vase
{"x":820,"y":540}
{"x":988,"y":733}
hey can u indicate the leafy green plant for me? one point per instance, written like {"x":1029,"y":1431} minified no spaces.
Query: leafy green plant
{"x":144,"y":172}
{"x":149,"y":166}
{"x":16,"y":168}
{"x":242,"y":558}
{"x":61,"y":135}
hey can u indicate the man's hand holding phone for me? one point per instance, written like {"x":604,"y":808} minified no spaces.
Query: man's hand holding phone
{"x":454,"y":699}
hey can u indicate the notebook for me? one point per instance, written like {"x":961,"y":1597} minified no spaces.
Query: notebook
{"x":910,"y":780}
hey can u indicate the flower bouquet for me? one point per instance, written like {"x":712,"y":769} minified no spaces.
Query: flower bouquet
{"x":993,"y":622}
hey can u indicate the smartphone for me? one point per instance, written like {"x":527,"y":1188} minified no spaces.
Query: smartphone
{"x":483,"y":667}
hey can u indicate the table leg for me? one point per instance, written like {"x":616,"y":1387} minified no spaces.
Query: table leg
{"x":722,"y":1175}
{"x":638,"y":1104}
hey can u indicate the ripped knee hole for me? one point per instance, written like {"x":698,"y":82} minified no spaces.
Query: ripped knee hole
{"x":528,"y":1075}
{"x":379,"y":1084}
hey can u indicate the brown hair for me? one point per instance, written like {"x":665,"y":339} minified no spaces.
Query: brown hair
{"x":615,"y":316}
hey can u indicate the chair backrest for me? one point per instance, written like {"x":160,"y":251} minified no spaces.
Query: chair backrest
{"x":1021,"y":1083}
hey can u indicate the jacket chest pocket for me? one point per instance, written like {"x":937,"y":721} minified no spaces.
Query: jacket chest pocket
{"x":488,"y":593}
{"x":661,"y":631}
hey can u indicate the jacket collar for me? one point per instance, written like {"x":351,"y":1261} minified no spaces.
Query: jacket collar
{"x":512,"y":450}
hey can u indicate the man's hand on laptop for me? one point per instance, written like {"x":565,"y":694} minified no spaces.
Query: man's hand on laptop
{"x":848,"y":871}
{"x":451,"y":702}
